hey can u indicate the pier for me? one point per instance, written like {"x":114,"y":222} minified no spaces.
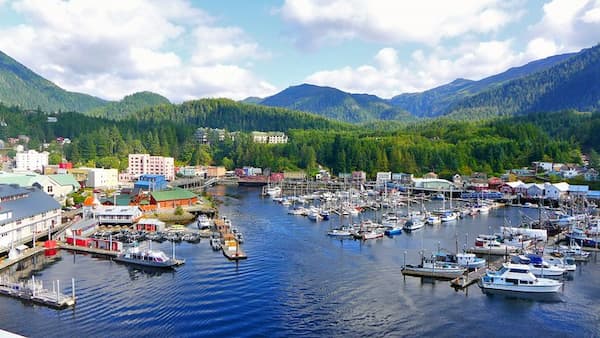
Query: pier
{"x":471,"y":277}
{"x":35,"y":292}
{"x":85,"y":249}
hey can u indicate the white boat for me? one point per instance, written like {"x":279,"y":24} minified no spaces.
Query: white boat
{"x":203,"y":222}
{"x":448,"y":216}
{"x":373,"y":234}
{"x":314,"y":214}
{"x":518,"y":278}
{"x":537,"y":234}
{"x":435,"y":269}
{"x":538,"y":266}
{"x":147,"y":257}
{"x":567,"y":263}
{"x":273,"y":191}
{"x":469,"y":261}
{"x":297,"y":211}
{"x":344,"y":231}
{"x":573,"y":250}
{"x":485,"y":245}
{"x":433,"y":220}
{"x":413,"y":224}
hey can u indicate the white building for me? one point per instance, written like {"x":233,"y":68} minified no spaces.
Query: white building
{"x":556,"y":191}
{"x":383,"y":177}
{"x":31,"y":160}
{"x":272,"y":137}
{"x":102,"y":178}
{"x":25,"y":212}
{"x":116,"y":214}
{"x":57,"y":186}
{"x":142,"y":164}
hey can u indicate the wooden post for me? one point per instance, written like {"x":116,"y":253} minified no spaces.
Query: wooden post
{"x":73,"y":288}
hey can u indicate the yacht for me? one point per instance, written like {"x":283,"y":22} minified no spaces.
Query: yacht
{"x":147,"y":257}
{"x":433,"y":220}
{"x":203,"y":222}
{"x":413,"y":223}
{"x":518,"y":278}
{"x":469,"y":261}
{"x":434,"y":268}
{"x":448,"y":216}
{"x":538,"y":266}
{"x":344,"y":231}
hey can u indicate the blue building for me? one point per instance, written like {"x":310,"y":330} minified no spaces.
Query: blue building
{"x":150,"y":182}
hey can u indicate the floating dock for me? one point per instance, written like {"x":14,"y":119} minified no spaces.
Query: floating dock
{"x":27,"y":254}
{"x":34,"y":292}
{"x":472,"y":277}
{"x":85,"y":249}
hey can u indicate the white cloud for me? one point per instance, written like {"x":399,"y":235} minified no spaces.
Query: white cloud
{"x":113,"y":48}
{"x":569,"y":24}
{"x":424,"y":21}
{"x":387,"y":77}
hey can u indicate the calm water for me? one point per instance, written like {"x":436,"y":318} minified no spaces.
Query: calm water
{"x":298,"y":282}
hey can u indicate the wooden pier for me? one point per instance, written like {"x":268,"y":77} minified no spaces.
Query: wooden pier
{"x":84,"y":249}
{"x":27,"y":254}
{"x":472,"y":277}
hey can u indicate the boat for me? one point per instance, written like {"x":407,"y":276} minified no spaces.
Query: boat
{"x":538,"y":266}
{"x":314,"y":215}
{"x":373,"y":234}
{"x":580,"y":237}
{"x":203,"y":222}
{"x":394,"y":230}
{"x":413,"y":224}
{"x":297,"y":211}
{"x":438,"y":197}
{"x":448,"y":216}
{"x":488,"y":244}
{"x":435,"y":269}
{"x":469,"y":260}
{"x":573,"y":250}
{"x":324,"y":214}
{"x":567,"y":263}
{"x":344,"y":231}
{"x":517,"y":278}
{"x":147,"y":257}
{"x":215,"y":243}
{"x":273,"y":191}
{"x":433,"y":220}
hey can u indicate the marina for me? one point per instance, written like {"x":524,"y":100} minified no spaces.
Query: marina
{"x":302,"y":281}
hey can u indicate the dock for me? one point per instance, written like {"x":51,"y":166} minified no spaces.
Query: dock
{"x":84,"y":249}
{"x":33,"y":291}
{"x":235,"y":254}
{"x":472,"y":277}
{"x":25,"y":255}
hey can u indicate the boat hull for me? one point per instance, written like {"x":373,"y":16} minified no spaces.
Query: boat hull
{"x":166,"y":265}
{"x":521,"y":288}
{"x":411,"y":270}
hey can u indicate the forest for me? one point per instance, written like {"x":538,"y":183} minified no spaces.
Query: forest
{"x":442,"y":145}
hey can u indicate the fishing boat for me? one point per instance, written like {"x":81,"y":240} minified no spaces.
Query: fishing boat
{"x":215,"y":243}
{"x":580,"y":237}
{"x":517,"y":278}
{"x":469,"y":260}
{"x":435,"y":269}
{"x":147,"y":257}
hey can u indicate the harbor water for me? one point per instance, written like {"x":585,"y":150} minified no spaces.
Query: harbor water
{"x":297,"y":281}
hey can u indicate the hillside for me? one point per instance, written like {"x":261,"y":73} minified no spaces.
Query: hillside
{"x":572,"y":84}
{"x":334,"y":103}
{"x":438,"y":101}
{"x":128,"y":105}
{"x":21,"y":86}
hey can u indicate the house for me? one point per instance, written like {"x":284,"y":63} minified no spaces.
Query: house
{"x":591,"y":175}
{"x":272,"y":137}
{"x":25,"y":212}
{"x":533,"y":190}
{"x":126,"y":215}
{"x":214,"y":171}
{"x":150,"y":225}
{"x":102,"y":178}
{"x":383,"y":177}
{"x":358,"y":177}
{"x":58,"y":186}
{"x":568,"y":172}
{"x":173,"y":198}
{"x":511,"y":188}
{"x":556,"y":191}
{"x":150,"y":182}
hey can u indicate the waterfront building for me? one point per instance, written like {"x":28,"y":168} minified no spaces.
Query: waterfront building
{"x":215,"y":171}
{"x":141,"y":164}
{"x":533,"y":190}
{"x":57,"y":186}
{"x":116,"y":214}
{"x":556,"y":191}
{"x":511,"y":188}
{"x":173,"y":198}
{"x":25,"y":212}
{"x":102,"y":178}
{"x":272,"y":137}
{"x":31,"y":160}
{"x":432,"y":184}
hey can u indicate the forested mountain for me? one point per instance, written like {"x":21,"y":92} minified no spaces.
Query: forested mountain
{"x":440,"y":100}
{"x":21,"y":86}
{"x":572,"y":84}
{"x":129,"y":104}
{"x":336,"y":104}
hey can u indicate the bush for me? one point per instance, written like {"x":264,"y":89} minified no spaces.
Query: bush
{"x":179,"y":210}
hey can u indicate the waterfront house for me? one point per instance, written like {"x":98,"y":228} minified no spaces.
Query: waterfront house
{"x":57,"y":186}
{"x":173,"y":198}
{"x":511,"y":188}
{"x":534,"y":190}
{"x":25,"y":212}
{"x":556,"y":191}
{"x":150,"y":182}
{"x":150,"y":225}
{"x":126,"y":215}
{"x":358,"y":177}
{"x":578,"y":190}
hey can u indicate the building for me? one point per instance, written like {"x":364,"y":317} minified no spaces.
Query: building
{"x":173,"y":198}
{"x":214,"y":171}
{"x":116,"y":214}
{"x":102,"y":178}
{"x":383,"y":177}
{"x":57,"y":186}
{"x":433,"y":184}
{"x":141,"y":164}
{"x":210,"y":135}
{"x":271,"y":137}
{"x":510,"y":188}
{"x":556,"y":191}
{"x":150,"y":183}
{"x":25,"y":213}
{"x":31,"y":160}
{"x":294,"y":175}
{"x":591,"y":175}
{"x":358,"y":177}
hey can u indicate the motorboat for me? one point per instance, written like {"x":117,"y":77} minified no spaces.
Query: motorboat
{"x":372,"y":234}
{"x":413,"y":224}
{"x":567,"y":263}
{"x":448,"y":216}
{"x":215,"y":243}
{"x":433,"y":220}
{"x":394,"y":230}
{"x":518,"y":278}
{"x":344,"y":231}
{"x":488,"y":244}
{"x":203,"y":222}
{"x":581,"y":238}
{"x":538,"y":266}
{"x":469,"y":260}
{"x":147,"y":257}
{"x":434,"y":268}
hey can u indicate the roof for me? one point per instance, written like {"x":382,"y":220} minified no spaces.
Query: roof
{"x":34,"y":202}
{"x":514,"y":184}
{"x":23,"y":180}
{"x":173,"y":194}
{"x":65,"y":179}
{"x":578,"y":188}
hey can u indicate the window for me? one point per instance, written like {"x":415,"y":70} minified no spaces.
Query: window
{"x":49,"y":188}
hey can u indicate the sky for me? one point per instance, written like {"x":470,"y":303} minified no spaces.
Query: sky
{"x":186,"y":49}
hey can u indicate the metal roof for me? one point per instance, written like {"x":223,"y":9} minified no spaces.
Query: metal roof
{"x":173,"y":194}
{"x":65,"y":179}
{"x":33,"y":202}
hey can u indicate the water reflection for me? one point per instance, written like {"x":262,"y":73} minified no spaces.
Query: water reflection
{"x":137,"y":272}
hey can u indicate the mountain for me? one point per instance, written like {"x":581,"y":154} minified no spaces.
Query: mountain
{"x":128,"y":105}
{"x":334,"y":103}
{"x":571,"y":84}
{"x":21,"y":86}
{"x":438,"y":101}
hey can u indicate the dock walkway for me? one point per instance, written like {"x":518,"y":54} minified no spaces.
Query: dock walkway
{"x":34,"y":291}
{"x":472,"y":277}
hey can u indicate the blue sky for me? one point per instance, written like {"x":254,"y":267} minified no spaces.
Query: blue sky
{"x":234,"y":48}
